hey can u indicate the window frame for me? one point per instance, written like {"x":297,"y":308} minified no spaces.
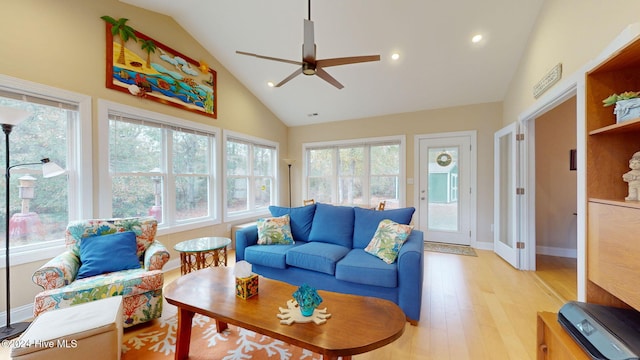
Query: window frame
{"x":373,"y":141}
{"x":170,"y":225}
{"x":78,"y":170}
{"x":252,"y":212}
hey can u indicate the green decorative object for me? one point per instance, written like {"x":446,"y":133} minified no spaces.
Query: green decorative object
{"x":614,"y":98}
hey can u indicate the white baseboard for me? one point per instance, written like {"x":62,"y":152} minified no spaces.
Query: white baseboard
{"x":19,"y":314}
{"x":483,"y":245}
{"x":556,"y":251}
{"x":170,"y":265}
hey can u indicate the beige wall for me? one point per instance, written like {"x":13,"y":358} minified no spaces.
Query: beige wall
{"x":485,"y":118}
{"x":571,"y":32}
{"x":556,"y":193}
{"x":62,"y":43}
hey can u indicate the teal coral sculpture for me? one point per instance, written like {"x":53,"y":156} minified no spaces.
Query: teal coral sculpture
{"x":307,"y":298}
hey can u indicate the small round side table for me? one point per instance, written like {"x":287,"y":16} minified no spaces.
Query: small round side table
{"x":196,"y":254}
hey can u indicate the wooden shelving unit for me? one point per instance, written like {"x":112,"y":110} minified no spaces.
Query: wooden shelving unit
{"x":613,"y":224}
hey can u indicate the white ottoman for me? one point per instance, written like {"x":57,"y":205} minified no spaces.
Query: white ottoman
{"x":91,"y":330}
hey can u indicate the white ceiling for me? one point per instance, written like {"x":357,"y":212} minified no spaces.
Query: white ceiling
{"x":439,"y":65}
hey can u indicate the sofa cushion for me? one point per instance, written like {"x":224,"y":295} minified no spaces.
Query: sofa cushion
{"x":301,"y":219}
{"x":388,"y":240}
{"x":316,"y":256}
{"x":333,"y":224}
{"x":362,"y":268}
{"x":108,"y":253}
{"x":274,"y":230}
{"x":367,"y":220}
{"x":273,"y":256}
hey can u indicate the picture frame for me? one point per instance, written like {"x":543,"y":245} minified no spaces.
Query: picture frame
{"x":154,"y":71}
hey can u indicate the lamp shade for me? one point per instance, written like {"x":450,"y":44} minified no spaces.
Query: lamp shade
{"x":12,"y":116}
{"x":51,"y":169}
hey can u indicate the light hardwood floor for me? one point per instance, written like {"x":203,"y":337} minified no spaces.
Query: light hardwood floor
{"x":560,"y":274}
{"x":473,"y":308}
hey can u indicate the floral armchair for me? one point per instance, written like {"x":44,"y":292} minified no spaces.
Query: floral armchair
{"x":141,"y":287}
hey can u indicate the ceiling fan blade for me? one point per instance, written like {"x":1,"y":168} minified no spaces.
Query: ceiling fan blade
{"x":347,"y":60}
{"x":269,"y":58}
{"x":294,"y":74}
{"x":309,"y":46}
{"x":328,"y":78}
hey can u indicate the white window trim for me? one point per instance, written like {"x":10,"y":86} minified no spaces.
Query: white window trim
{"x":80,"y":174}
{"x":362,"y":141}
{"x":256,"y":141}
{"x":104,"y":178}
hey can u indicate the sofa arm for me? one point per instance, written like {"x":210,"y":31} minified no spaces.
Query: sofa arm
{"x":156,"y":256}
{"x":57,"y":272}
{"x":245,"y":237}
{"x":411,"y":274}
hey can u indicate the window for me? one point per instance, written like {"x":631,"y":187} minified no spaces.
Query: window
{"x":159,"y":166}
{"x":251,"y":175}
{"x":359,"y":172}
{"x":40,"y":209}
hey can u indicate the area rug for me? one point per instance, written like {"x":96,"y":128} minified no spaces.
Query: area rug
{"x":449,"y":248}
{"x":157,"y":341}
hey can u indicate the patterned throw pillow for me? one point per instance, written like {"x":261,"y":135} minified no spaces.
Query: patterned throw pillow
{"x":274,"y":230}
{"x":388,"y":239}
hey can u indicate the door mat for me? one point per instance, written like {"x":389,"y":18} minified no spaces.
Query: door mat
{"x":449,"y":248}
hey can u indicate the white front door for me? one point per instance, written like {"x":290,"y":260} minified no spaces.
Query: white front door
{"x":506,"y":213}
{"x":446,"y":170}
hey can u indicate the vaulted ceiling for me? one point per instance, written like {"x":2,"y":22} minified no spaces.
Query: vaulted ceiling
{"x":438,"y":66}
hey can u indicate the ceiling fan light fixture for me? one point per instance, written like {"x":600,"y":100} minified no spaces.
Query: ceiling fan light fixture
{"x":308,"y":69}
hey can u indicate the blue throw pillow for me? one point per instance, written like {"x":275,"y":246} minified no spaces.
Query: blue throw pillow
{"x":367,"y":220}
{"x":333,"y":224}
{"x":300,"y":219}
{"x":108,"y":253}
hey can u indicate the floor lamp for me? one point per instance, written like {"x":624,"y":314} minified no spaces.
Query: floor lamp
{"x":289,"y":162}
{"x":9,"y":117}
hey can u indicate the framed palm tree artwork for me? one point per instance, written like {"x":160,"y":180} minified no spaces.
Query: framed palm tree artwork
{"x":143,"y":67}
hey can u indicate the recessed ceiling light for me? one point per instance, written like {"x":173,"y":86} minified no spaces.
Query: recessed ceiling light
{"x":395,"y":56}
{"x":476,"y":38}
{"x":271,"y":84}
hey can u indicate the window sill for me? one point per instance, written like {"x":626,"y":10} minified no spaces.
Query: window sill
{"x":32,"y":253}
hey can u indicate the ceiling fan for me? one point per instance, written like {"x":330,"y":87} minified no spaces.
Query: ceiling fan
{"x":309,"y":64}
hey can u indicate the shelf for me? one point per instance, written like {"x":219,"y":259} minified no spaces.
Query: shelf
{"x":623,"y":203}
{"x":627,"y":126}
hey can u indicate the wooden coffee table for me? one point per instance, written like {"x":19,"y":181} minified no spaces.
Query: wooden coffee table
{"x":357,"y":324}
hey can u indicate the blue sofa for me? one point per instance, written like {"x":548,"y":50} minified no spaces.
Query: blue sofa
{"x":329,"y":254}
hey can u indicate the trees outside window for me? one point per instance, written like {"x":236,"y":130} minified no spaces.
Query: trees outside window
{"x":359,"y":172}
{"x":40,"y":209}
{"x":250,"y":166}
{"x":159,"y":166}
